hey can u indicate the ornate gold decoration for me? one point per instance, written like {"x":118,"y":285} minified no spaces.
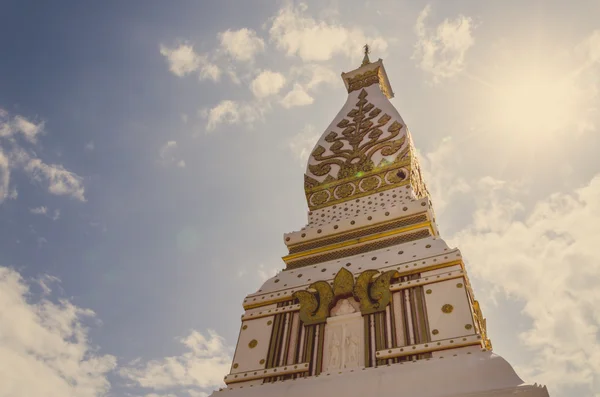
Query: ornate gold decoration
{"x":447,"y":308}
{"x":320,"y":197}
{"x":459,"y":285}
{"x":314,"y":307}
{"x":482,"y":325}
{"x":253,"y":343}
{"x":428,"y":292}
{"x":344,"y":190}
{"x":468,"y":326}
{"x":369,"y":183}
{"x":373,"y":293}
{"x":235,"y":365}
{"x":261,"y":362}
{"x":435,"y":332}
{"x":350,"y":153}
{"x":363,"y":80}
{"x":343,"y":283}
{"x":244,"y":327}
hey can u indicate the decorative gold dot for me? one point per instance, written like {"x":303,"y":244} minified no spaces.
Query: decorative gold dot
{"x":287,"y":239}
{"x":428,"y":291}
{"x":447,"y":308}
{"x":269,"y":322}
{"x":370,"y":217}
{"x":262,"y":361}
{"x":468,"y":326}
{"x":303,"y":234}
{"x":253,"y":343}
{"x":319,"y":231}
{"x":235,"y":365}
{"x":335,"y":226}
{"x":428,"y":246}
{"x":435,"y":332}
{"x":276,"y":280}
{"x":245,"y":327}
{"x":352,"y":222}
{"x":459,"y":285}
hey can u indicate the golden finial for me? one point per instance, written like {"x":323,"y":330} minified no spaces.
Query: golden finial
{"x":366,"y":60}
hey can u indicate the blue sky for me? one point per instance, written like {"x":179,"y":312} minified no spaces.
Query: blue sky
{"x":152,"y":157}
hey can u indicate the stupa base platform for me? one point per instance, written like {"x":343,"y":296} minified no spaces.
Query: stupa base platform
{"x":479,"y":374}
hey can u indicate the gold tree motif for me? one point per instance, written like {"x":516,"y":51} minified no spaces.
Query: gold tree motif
{"x":350,"y":153}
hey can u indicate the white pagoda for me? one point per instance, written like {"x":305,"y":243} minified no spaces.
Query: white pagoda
{"x":372,"y":301}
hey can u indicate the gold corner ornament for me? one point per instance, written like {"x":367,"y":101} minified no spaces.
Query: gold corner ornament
{"x":371,"y":290}
{"x":482,"y":325}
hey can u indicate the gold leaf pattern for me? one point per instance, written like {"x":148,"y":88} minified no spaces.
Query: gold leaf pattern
{"x":350,"y":151}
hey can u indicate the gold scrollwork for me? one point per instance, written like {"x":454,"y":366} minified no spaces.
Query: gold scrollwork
{"x":315,"y":306}
{"x":373,"y":293}
{"x":343,"y":283}
{"x":370,"y":183}
{"x":363,"y":80}
{"x":349,"y":152}
{"x":344,"y":191}
{"x":320,"y":197}
{"x":371,"y":290}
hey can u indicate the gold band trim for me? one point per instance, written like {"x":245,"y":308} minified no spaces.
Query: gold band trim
{"x":444,"y":344}
{"x":359,"y":232}
{"x":358,"y":249}
{"x":266,"y":373}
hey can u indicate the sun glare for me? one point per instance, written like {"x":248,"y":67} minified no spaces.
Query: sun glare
{"x":536,"y":103}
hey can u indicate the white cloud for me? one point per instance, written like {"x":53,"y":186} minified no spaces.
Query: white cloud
{"x":547,"y":259}
{"x":296,"y":33}
{"x":264,"y":273}
{"x":441,"y":51}
{"x":296,"y":97}
{"x":267,"y":83}
{"x":166,"y":149}
{"x":44,"y":349}
{"x":39,"y":210}
{"x":4,"y":176}
{"x":312,"y":75}
{"x":234,"y":112}
{"x":29,"y":130}
{"x":241,"y":44}
{"x":184,"y":60}
{"x":19,"y":125}
{"x":201,"y":367}
{"x":167,"y":153}
{"x":439,"y":170}
{"x":61,"y":182}
{"x":303,"y":143}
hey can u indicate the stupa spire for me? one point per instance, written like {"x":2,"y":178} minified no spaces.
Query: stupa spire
{"x":368,"y":282}
{"x":367,"y":51}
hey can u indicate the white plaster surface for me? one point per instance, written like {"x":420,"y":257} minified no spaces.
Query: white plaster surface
{"x":467,"y":375}
{"x":410,"y":255}
{"x":449,"y":325}
{"x":249,"y":358}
